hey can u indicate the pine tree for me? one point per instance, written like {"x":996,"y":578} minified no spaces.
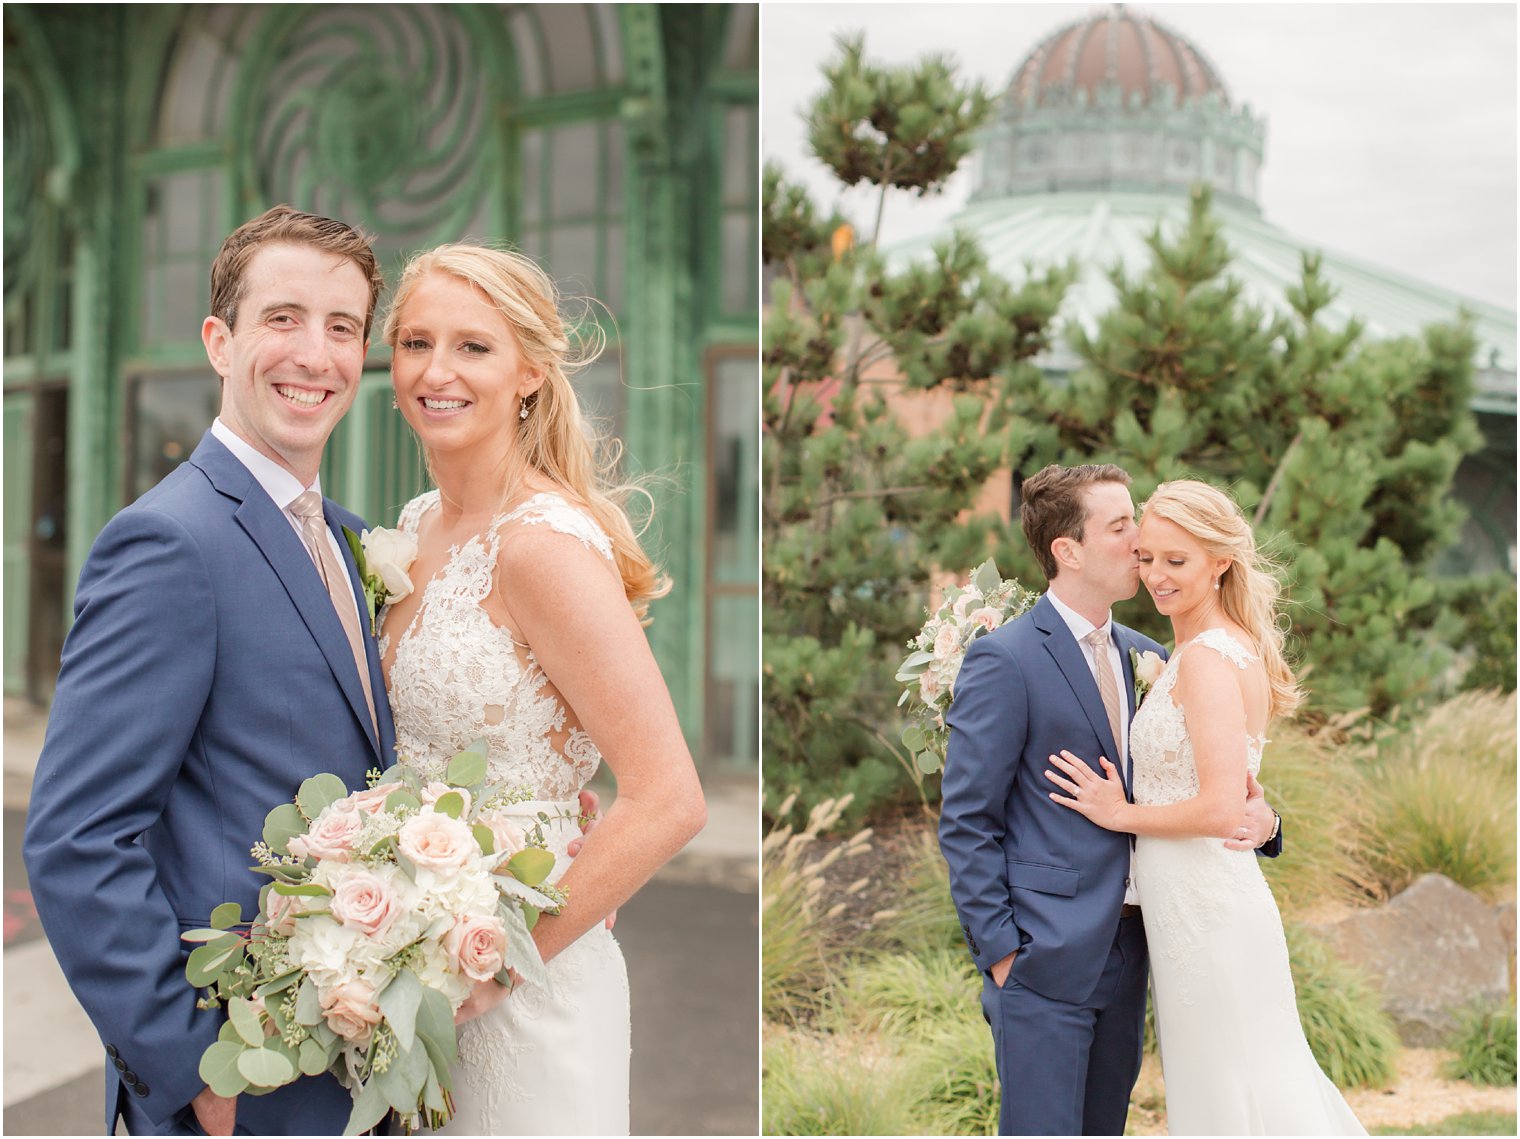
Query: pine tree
{"x":858,"y":512}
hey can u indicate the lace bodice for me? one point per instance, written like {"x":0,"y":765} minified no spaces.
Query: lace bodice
{"x":1158,"y":738}
{"x":458,"y":676}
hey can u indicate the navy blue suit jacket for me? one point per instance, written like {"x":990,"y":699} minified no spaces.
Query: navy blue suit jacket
{"x":1027,"y":873}
{"x":205,"y":676}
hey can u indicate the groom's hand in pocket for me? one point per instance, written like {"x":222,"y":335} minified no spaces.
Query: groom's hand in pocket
{"x":216,"y":1114}
{"x":1000,"y":969}
{"x":590,"y":812}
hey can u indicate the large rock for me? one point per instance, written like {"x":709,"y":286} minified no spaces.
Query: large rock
{"x":1433,"y":951}
{"x":1506,"y":914}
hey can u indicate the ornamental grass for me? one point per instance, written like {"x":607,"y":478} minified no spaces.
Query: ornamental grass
{"x":1350,"y":1035}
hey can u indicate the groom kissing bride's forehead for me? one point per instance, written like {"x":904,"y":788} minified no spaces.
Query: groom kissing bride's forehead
{"x":208,"y":672}
{"x":1049,"y":903}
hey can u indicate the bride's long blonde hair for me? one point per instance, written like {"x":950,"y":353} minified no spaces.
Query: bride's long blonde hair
{"x":555,"y":439}
{"x":1249,"y":591}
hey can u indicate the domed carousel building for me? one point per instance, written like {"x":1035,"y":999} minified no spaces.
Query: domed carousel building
{"x":1102,"y":132}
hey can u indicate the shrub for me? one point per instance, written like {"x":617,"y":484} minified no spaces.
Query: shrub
{"x":1485,"y":1048}
{"x":1321,"y":794}
{"x":813,"y":1086}
{"x":1486,"y":606}
{"x":953,"y":1077}
{"x":794,"y":929}
{"x":899,"y":994}
{"x":1348,"y":1031}
{"x":1444,"y":797}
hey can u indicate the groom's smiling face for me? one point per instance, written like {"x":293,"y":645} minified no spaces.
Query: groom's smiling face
{"x":1110,"y":561}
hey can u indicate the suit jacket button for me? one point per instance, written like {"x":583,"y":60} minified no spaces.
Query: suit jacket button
{"x":141,"y":1089}
{"x":130,"y":1078}
{"x":121,"y":1065}
{"x":111,"y":1051}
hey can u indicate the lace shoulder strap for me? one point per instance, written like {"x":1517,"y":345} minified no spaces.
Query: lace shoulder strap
{"x":552,"y":510}
{"x":1226,"y":646}
{"x":412,"y":512}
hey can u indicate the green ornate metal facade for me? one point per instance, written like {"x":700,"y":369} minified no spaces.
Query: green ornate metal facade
{"x":617,"y":143}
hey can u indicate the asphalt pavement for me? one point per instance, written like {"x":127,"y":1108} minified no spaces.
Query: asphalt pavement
{"x":690,"y":937}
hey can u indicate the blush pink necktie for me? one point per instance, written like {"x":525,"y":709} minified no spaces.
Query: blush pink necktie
{"x":308,"y":508}
{"x":1108,"y":688}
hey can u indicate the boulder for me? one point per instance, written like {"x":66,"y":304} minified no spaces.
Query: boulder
{"x":1433,"y":951}
{"x":1506,"y":914}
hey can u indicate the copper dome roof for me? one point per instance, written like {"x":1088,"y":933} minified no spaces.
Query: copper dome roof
{"x":1117,"y":47}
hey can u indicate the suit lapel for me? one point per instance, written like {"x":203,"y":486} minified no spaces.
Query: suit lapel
{"x":1126,"y":654}
{"x":283,"y":549}
{"x":1069,"y":658}
{"x":371,"y":650}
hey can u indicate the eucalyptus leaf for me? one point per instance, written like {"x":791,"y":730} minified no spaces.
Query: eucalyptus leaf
{"x":229,"y":1034}
{"x":386,"y":843}
{"x":531,"y":866}
{"x":481,"y":747}
{"x":281,"y":825}
{"x":370,"y":1108}
{"x":312,"y":1057}
{"x":278,"y":984}
{"x":903,"y":699}
{"x":308,"y":1004}
{"x":432,"y":1093}
{"x":515,"y":889}
{"x":399,"y":1002}
{"x":530,"y":917}
{"x":265,"y":1068}
{"x":435,"y":1022}
{"x":219,"y":1068}
{"x":202,"y":935}
{"x":324,"y":1034}
{"x":226,"y":915}
{"x":467,"y":769}
{"x":395,"y":773}
{"x":484,"y":837}
{"x":284,"y":871}
{"x":450,"y":803}
{"x":245,"y":1019}
{"x":402,"y":1082}
{"x":986,"y":577}
{"x":928,"y":762}
{"x":913,"y":738}
{"x":319,"y":792}
{"x":276,"y":1012}
{"x":205,"y":964}
{"x":400,"y":800}
{"x":302,"y":890}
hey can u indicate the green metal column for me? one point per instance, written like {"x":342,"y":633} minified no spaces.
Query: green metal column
{"x":18,"y":528}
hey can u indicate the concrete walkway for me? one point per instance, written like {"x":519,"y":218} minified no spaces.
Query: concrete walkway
{"x":691,"y":939}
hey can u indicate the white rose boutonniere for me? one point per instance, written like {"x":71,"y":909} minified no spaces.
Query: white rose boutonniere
{"x":384,"y":556}
{"x":1147,"y":668}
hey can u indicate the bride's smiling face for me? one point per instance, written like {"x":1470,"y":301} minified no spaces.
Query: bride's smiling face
{"x":458,"y":371}
{"x":1176,"y":570}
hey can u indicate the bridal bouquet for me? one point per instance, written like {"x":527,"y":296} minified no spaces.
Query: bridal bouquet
{"x":386,"y":906}
{"x":934,"y":660}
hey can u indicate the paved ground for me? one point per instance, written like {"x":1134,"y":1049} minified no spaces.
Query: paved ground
{"x":691,"y":938}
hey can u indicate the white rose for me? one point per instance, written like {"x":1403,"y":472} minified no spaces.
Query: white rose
{"x":946,"y":641}
{"x":988,"y":617}
{"x":389,"y":554}
{"x":1148,"y":668}
{"x":929,"y":687}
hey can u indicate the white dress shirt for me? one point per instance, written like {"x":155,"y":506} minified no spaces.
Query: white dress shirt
{"x":1081,"y":628}
{"x":284,"y":488}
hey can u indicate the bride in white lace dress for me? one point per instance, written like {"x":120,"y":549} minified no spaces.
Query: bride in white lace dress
{"x":1233,"y":1052}
{"x":524,"y":629}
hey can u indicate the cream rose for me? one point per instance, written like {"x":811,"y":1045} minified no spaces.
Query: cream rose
{"x":436,"y":842}
{"x":389,"y":554}
{"x":366,"y":902}
{"x":477,"y":946}
{"x":506,"y":836}
{"x":987,"y":617}
{"x":331,"y":835}
{"x":1148,"y":668}
{"x":929,"y":687}
{"x":946,"y":640}
{"x":351,"y":1011}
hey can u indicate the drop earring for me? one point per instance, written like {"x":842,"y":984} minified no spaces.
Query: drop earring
{"x":395,"y":404}
{"x":522,"y":411}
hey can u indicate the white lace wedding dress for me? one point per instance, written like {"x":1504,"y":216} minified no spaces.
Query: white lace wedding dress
{"x":542,"y":1062}
{"x":1233,"y":1053}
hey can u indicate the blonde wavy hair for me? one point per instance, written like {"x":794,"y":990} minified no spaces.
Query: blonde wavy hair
{"x":556,"y":439}
{"x":1249,"y":590}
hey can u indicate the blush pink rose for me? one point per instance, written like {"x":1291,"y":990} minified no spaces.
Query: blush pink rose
{"x":280,"y":912}
{"x":372,"y":801}
{"x":987,"y":617}
{"x":365,"y":901}
{"x":946,"y":640}
{"x":929,"y":687}
{"x":351,"y":1011}
{"x":506,"y":836}
{"x":437,"y":842}
{"x":477,"y":947}
{"x":437,"y":790}
{"x":331,"y":835}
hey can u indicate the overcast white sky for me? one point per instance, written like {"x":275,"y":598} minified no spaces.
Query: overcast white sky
{"x":1391,"y":128}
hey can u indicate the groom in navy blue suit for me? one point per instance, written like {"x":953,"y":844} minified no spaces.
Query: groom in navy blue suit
{"x":1047,"y":900}
{"x":208,"y":672}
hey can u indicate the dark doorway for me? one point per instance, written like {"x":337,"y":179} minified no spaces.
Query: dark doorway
{"x":48,"y":542}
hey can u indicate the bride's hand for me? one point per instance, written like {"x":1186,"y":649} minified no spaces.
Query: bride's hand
{"x":486,"y":996}
{"x":590,"y":804}
{"x":1099,"y":799}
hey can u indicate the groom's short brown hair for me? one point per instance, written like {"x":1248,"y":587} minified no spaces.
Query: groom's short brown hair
{"x":286,"y":225}
{"x":1053,"y":506}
